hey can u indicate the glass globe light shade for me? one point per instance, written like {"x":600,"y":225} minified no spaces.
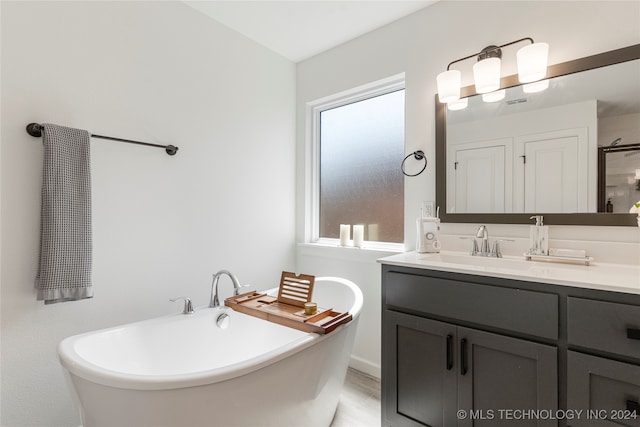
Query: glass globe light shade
{"x":486,"y":74}
{"x":459,"y":104}
{"x":532,"y":62}
{"x":536,"y":86}
{"x":449,"y":85}
{"x":496,"y":96}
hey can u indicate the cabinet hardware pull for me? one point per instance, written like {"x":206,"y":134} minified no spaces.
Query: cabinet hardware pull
{"x":633,"y":334}
{"x":633,"y":407}
{"x":449,"y":352}
{"x":463,"y":356}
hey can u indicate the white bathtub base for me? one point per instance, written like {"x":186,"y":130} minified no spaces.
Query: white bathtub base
{"x":121,"y":380}
{"x":301,"y":390}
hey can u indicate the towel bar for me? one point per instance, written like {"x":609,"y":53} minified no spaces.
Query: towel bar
{"x":35,"y":129}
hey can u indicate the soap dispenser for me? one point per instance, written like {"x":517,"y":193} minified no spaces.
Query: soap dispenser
{"x":538,"y":237}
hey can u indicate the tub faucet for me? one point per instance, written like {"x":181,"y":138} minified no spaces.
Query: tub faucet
{"x":188,"y":306}
{"x":483,"y":233}
{"x":215,"y":302}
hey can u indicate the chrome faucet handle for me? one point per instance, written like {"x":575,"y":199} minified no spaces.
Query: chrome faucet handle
{"x":188,"y":306}
{"x":496,"y":252}
{"x":474,"y":248}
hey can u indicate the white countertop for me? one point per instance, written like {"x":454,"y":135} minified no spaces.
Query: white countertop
{"x":600,"y":276}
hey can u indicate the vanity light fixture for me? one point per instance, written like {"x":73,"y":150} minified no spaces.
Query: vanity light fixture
{"x":458,"y":104}
{"x":495,"y":96}
{"x":534,"y":87}
{"x":449,"y":85}
{"x":486,"y":72}
{"x":531,"y":60}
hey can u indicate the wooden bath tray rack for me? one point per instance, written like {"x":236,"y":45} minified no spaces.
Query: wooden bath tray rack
{"x":275,"y":310}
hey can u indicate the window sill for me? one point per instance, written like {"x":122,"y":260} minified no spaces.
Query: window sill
{"x":329,"y":248}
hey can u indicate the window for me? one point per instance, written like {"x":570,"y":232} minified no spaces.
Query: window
{"x":359,"y":146}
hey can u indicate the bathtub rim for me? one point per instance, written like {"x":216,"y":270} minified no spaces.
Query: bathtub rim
{"x":75,"y":365}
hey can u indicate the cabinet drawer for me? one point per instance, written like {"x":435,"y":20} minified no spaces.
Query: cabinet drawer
{"x":606,"y":326}
{"x":512,"y":309}
{"x":607,"y":392}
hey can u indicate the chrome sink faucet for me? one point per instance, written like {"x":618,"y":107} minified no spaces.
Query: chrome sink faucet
{"x":483,"y":233}
{"x":215,"y":302}
{"x":485,"y":248}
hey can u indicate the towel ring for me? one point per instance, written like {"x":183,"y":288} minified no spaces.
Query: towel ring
{"x":418,"y":155}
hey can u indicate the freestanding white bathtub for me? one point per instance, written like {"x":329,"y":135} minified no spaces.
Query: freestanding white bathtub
{"x":186,"y":371}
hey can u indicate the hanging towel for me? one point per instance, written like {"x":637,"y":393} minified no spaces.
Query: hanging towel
{"x":64,"y":271}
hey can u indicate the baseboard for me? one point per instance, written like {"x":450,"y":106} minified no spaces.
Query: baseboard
{"x":365,"y":366}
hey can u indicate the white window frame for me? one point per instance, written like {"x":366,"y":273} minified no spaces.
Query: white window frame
{"x":312,"y":154}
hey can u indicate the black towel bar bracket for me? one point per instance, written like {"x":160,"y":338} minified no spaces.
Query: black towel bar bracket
{"x":35,"y":129}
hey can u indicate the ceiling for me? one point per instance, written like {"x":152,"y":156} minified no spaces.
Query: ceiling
{"x":299,"y":29}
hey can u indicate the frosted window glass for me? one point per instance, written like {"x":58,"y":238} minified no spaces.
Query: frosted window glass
{"x":361,"y":182}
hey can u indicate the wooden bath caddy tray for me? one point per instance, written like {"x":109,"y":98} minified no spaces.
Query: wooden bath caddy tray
{"x":288,"y":308}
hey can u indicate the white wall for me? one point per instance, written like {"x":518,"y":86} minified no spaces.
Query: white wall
{"x":626,"y":126}
{"x":152,"y":71}
{"x":421,"y":45}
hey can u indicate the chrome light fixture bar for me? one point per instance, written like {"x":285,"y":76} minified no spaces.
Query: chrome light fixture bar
{"x":532,"y":67}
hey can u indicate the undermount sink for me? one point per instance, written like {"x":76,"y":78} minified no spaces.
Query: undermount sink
{"x":461,"y":258}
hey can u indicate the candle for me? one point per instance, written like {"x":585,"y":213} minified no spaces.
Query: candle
{"x":310,"y":308}
{"x":345,"y":234}
{"x":373,"y":232}
{"x":358,"y":235}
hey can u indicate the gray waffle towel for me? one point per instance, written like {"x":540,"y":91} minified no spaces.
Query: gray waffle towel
{"x":64,"y":271}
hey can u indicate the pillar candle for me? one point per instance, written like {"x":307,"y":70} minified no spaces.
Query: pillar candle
{"x":345,"y":234}
{"x":373,"y":232}
{"x":358,"y":235}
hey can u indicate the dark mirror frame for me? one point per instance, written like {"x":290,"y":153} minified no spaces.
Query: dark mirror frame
{"x":601,"y":219}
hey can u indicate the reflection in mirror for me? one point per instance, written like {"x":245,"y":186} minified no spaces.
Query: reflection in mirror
{"x":619,"y":170}
{"x":539,"y":152}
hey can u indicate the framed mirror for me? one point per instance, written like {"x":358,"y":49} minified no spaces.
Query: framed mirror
{"x":546,"y":152}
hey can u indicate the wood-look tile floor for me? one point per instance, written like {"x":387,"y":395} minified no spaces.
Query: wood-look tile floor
{"x":359,"y":402}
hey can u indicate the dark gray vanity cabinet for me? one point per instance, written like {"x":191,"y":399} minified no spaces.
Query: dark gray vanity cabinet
{"x":437,"y":364}
{"x":606,"y":385}
{"x":505,"y":373}
{"x":424,"y":392}
{"x":445,"y":350}
{"x":470,"y":350}
{"x":596,"y":383}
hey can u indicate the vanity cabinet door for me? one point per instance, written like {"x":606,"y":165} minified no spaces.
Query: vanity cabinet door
{"x":419,"y":381}
{"x":499,"y":374}
{"x":607,"y":391}
{"x":433,"y":369}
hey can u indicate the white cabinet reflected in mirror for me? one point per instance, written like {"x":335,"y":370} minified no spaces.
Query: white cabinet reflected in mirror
{"x":549,"y":152}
